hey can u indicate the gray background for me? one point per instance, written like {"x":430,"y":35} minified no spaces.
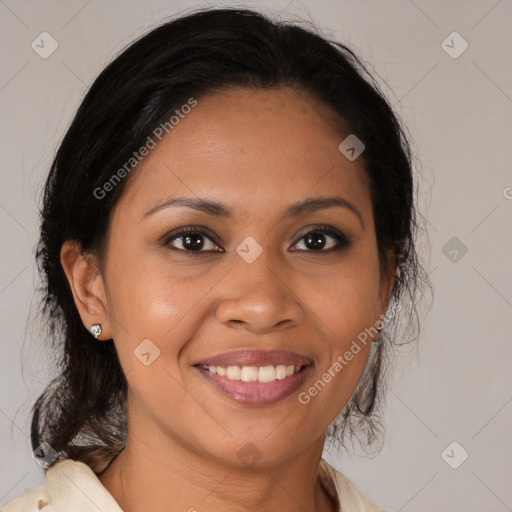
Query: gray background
{"x":455,"y":385}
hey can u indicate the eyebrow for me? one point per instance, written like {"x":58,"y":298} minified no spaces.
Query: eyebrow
{"x":216,"y":209}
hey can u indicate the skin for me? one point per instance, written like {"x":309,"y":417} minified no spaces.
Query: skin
{"x":257,"y":152}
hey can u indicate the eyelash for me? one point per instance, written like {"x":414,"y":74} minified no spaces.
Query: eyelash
{"x":343,"y":241}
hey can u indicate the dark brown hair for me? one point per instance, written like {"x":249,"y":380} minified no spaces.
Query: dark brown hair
{"x":82,"y":412}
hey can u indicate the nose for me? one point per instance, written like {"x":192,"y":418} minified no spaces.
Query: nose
{"x":258,"y":297}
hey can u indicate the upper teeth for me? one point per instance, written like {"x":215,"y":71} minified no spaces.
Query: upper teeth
{"x":254,"y":373}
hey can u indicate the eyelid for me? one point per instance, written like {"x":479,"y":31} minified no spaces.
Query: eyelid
{"x":326,"y":228}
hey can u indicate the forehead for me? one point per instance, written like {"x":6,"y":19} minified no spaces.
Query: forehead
{"x":250,"y":148}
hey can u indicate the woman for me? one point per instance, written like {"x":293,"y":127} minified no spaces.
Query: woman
{"x":226,"y":239}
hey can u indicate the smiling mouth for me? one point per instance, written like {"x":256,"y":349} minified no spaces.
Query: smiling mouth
{"x":267,"y":373}
{"x":243,"y":385}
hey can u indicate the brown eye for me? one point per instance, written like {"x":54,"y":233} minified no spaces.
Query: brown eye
{"x":321,"y":240}
{"x":192,"y":240}
{"x":317,"y":239}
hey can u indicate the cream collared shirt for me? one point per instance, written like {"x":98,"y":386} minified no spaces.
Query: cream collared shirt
{"x":72,"y":486}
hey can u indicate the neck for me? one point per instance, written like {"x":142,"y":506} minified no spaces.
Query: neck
{"x":155,"y":474}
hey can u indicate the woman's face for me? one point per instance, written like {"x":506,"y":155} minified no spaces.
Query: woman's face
{"x":254,"y":282}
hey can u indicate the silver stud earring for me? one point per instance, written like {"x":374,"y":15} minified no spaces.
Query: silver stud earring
{"x":379,"y":339}
{"x":96,"y":330}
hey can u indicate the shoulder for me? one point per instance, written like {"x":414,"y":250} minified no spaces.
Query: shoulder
{"x":33,"y":500}
{"x":348,"y":495}
{"x":68,"y":481}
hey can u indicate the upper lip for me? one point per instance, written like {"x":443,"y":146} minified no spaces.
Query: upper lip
{"x":255,"y":358}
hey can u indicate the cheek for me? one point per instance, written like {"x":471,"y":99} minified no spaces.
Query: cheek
{"x":140,"y":291}
{"x":345,"y":305}
{"x":151,"y":301}
{"x":346,"y":300}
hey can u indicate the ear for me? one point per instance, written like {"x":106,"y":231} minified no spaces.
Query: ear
{"x":87,"y":286}
{"x":386,"y":282}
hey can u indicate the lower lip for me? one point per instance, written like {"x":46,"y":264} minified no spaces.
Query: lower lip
{"x":257,"y":393}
